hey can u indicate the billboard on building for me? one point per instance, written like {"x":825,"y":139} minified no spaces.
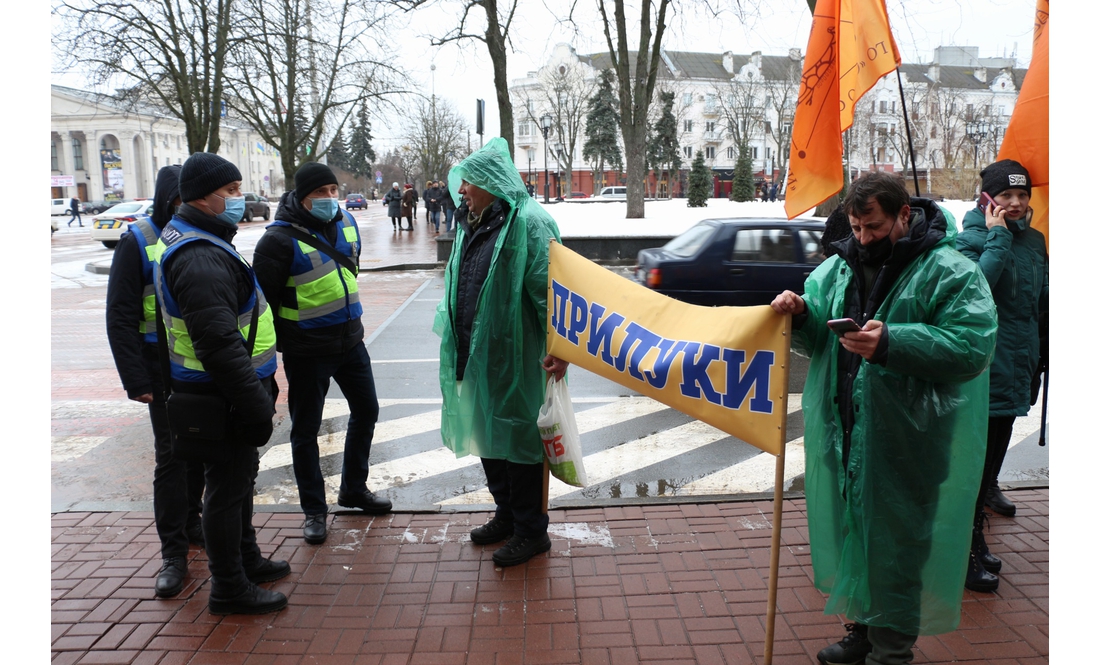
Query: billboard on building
{"x":113,"y":181}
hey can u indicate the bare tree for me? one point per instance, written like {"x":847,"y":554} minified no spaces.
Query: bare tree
{"x":784,"y":100}
{"x":741,"y":104}
{"x":635,"y":90}
{"x":496,"y":37}
{"x":436,"y":138}
{"x":565,"y":90}
{"x":169,"y":51}
{"x":304,"y":69}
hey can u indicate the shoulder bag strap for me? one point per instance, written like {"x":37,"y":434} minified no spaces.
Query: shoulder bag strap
{"x":325,"y":248}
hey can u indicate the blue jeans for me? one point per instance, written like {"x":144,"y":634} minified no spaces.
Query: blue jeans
{"x":308,"y":382}
{"x":449,"y":215}
{"x":435,"y":219}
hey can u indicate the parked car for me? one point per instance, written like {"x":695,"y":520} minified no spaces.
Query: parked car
{"x":612,"y":193}
{"x":96,"y":207}
{"x":578,"y":195}
{"x":107,"y":227}
{"x":355,"y":201}
{"x":255,"y":206}
{"x":61,"y":207}
{"x":743,"y":261}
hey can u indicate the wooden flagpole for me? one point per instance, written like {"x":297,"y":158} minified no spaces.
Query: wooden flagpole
{"x":777,"y":511}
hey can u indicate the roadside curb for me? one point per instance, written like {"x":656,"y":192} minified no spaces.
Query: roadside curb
{"x":98,"y":267}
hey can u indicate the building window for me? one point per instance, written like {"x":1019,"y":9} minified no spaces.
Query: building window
{"x":688,"y":125}
{"x":881,"y":155}
{"x":78,"y":155}
{"x":767,"y":126}
{"x":53,"y":155}
{"x":969,"y":111}
{"x":523,"y":128}
{"x":711,"y":151}
{"x":932,"y":132}
{"x":893,"y":107}
{"x":686,"y":99}
{"x":767,"y":153}
{"x":882,"y":106}
{"x":1001,"y":110}
{"x":754,"y":152}
{"x":729,"y":153}
{"x":710,"y":125}
{"x":687,"y":151}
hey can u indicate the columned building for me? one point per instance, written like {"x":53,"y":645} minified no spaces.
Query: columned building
{"x":112,"y":151}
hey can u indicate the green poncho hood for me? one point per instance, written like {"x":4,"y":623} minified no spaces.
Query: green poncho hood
{"x":494,"y":413}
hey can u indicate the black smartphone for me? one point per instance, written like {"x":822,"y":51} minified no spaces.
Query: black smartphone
{"x":841,"y":326}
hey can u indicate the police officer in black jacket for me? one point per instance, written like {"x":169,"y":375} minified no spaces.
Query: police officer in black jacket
{"x":210,"y":302}
{"x":131,"y":332}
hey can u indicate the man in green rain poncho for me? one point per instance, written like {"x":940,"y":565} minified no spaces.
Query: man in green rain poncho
{"x":492,"y":358}
{"x":895,"y":418}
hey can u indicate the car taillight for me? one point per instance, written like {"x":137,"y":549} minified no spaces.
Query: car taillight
{"x":127,"y":219}
{"x":653,"y":278}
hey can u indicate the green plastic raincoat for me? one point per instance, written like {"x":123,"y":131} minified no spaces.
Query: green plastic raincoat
{"x":890,"y":535}
{"x":502,"y":388}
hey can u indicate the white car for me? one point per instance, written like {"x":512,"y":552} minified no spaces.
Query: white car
{"x":61,"y":207}
{"x":107,"y":227}
{"x":612,"y":193}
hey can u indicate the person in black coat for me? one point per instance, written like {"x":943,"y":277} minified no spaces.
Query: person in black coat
{"x":74,"y":208}
{"x":177,"y":485}
{"x":212,"y":287}
{"x":392,"y":201}
{"x":321,"y":339}
{"x":433,"y":201}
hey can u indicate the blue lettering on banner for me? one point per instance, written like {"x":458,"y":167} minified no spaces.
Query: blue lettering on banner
{"x":572,"y":315}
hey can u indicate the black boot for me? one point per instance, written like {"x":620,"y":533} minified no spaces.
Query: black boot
{"x":851,"y":650}
{"x":978,"y":578}
{"x":978,"y":546}
{"x":997,"y":501}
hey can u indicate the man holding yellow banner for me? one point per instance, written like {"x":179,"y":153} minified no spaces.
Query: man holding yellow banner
{"x":895,"y":414}
{"x":492,"y":321}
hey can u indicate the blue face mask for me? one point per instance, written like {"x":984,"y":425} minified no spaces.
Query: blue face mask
{"x":234,"y":209}
{"x":324,"y":209}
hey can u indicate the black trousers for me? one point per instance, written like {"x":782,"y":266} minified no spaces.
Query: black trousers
{"x":996,"y":447}
{"x":517,"y":491}
{"x":227,"y":520}
{"x":177,"y":485}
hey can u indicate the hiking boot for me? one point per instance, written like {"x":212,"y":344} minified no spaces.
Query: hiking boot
{"x":267,"y":571}
{"x":365,"y":501}
{"x":520,"y":549}
{"x":171,"y":577}
{"x":851,"y":650}
{"x":493,"y":531}
{"x":315,"y":529}
{"x":254,"y":600}
{"x":980,"y":549}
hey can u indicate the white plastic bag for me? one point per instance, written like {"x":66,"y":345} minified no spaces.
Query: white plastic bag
{"x":560,"y":438}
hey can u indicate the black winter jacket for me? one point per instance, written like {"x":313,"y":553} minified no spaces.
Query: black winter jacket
{"x":138,"y":366}
{"x":211,"y":286}
{"x":271,"y":261}
{"x":477,"y":257}
{"x":433,"y":199}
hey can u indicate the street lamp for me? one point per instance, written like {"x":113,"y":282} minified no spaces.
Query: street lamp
{"x":545,"y":120}
{"x":530,"y":158}
{"x":976,"y":131}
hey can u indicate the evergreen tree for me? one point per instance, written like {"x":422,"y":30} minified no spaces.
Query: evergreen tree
{"x":700,"y":183}
{"x":743,"y":187}
{"x":359,"y":150}
{"x":338,"y":151}
{"x":601,"y":131}
{"x":663,"y":150}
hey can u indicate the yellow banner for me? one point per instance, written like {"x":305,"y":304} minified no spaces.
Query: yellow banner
{"x":726,"y":366}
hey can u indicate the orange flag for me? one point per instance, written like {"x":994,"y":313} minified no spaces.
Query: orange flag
{"x":1027,"y":139}
{"x":850,"y":49}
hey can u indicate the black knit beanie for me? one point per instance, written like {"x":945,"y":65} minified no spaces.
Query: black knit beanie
{"x":203,"y":173}
{"x":310,"y":176}
{"x":1005,"y":174}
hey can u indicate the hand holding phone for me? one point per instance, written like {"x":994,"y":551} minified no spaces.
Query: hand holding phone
{"x":841,"y":326}
{"x":988,"y":206}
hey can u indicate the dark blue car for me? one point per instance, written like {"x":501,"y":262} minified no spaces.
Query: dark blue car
{"x":743,"y":261}
{"x":356,"y":201}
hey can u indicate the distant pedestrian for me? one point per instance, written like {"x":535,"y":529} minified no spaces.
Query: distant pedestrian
{"x":408,"y":204}
{"x":392,"y":201}
{"x":775,"y":190}
{"x":448,"y":204}
{"x":433,"y":202}
{"x":373,"y":193}
{"x":415,"y":199}
{"x":74,"y":208}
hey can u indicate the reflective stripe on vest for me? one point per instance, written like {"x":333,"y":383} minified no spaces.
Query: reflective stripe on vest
{"x":146,"y":234}
{"x":320,"y":292}
{"x":185,"y":365}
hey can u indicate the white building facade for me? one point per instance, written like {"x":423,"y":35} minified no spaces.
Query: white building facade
{"x":102,"y":150}
{"x":958,"y":107}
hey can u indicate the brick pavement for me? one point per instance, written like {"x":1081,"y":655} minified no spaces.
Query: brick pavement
{"x":654,"y":584}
